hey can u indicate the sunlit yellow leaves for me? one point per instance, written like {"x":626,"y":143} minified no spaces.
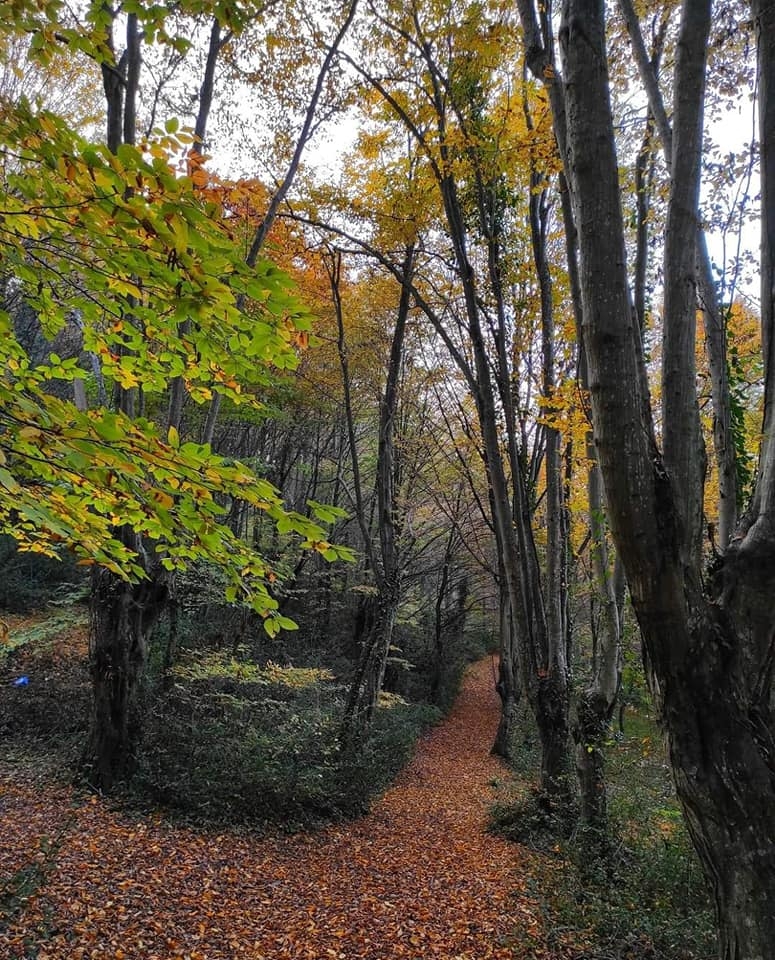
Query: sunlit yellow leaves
{"x":124,"y":288}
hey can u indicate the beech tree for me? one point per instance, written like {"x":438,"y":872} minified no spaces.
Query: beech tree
{"x":120,"y":239}
{"x":708,"y":635}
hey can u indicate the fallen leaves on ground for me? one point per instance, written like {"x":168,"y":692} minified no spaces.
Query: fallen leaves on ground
{"x":417,"y":878}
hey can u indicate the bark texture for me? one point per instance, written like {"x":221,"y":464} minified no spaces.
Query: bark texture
{"x":709,"y":644}
{"x":122,"y":616}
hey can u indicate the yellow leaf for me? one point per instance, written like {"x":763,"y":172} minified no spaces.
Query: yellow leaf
{"x":163,"y":499}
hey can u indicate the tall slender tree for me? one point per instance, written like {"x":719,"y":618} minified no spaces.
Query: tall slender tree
{"x":708,"y":636}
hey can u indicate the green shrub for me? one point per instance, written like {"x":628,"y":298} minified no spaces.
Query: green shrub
{"x":649,"y":901}
{"x":238,"y":742}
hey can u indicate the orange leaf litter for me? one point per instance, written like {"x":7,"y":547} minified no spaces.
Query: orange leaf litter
{"x":417,"y":878}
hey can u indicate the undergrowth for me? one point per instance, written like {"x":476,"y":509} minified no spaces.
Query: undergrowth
{"x":646,"y":899}
{"x":237,"y":734}
{"x":44,"y":697}
{"x":258,"y":745}
{"x":29,"y":581}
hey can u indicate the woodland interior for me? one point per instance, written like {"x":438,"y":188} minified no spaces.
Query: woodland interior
{"x":387,"y":479}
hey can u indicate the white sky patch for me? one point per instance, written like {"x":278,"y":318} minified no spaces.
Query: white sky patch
{"x":734,"y":246}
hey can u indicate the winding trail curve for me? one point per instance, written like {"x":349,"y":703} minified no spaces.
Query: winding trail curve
{"x":417,"y":878}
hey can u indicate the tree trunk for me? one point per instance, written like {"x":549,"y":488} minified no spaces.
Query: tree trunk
{"x":684,"y":447}
{"x":709,"y":647}
{"x":539,"y":652}
{"x":595,"y":705}
{"x":706,"y":293}
{"x":443,"y":623}
{"x":122,"y":616}
{"x":365,"y":686}
{"x":508,"y":684}
{"x":121,"y":613}
{"x":367,"y":683}
{"x":721,"y":749}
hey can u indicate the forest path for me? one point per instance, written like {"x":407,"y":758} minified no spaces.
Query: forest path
{"x":417,"y":878}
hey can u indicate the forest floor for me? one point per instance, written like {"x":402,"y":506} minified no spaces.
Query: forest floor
{"x":419,"y":877}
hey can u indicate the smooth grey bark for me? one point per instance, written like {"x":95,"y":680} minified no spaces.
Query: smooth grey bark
{"x":133,"y":64}
{"x":595,"y":703}
{"x":709,"y":646}
{"x":683,"y":445}
{"x":764,"y":21}
{"x":707,"y":297}
{"x":644,"y":172}
{"x":113,"y":84}
{"x":643,"y":165}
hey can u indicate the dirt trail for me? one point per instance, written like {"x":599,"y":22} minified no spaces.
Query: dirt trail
{"x":418,"y":877}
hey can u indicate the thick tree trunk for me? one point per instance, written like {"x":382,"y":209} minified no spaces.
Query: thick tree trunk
{"x":720,"y":735}
{"x":122,"y":616}
{"x":709,"y":655}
